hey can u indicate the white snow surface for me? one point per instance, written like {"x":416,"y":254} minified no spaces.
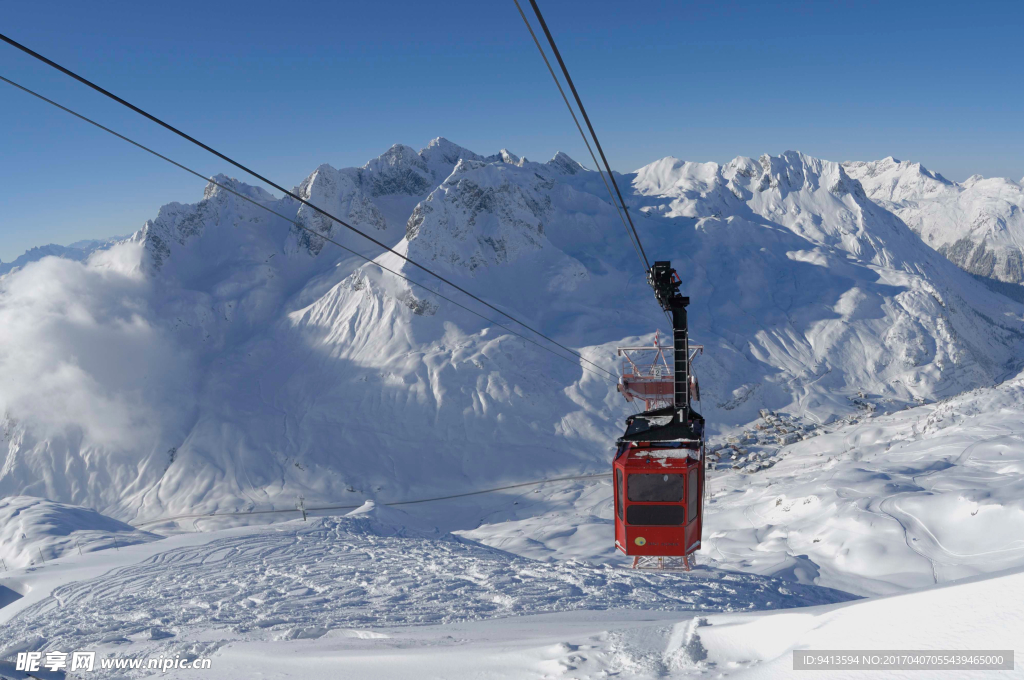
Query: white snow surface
{"x":33,"y":530}
{"x":884,"y":503}
{"x":878,"y":503}
{"x":978,"y":224}
{"x":224,"y":360}
{"x":362,"y":596}
{"x":586,"y":645}
{"x":302,"y":580}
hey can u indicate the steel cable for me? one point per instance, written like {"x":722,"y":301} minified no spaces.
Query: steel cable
{"x":586,"y":118}
{"x":324,"y":508}
{"x":558,"y":84}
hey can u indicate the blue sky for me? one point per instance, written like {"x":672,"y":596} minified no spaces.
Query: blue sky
{"x":286,"y":87}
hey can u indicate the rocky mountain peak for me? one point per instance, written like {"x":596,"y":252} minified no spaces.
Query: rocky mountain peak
{"x":563,"y":163}
{"x":510,"y":158}
{"x":441,"y":155}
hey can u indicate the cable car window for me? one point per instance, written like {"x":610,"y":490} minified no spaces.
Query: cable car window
{"x":693,"y":495}
{"x":618,"y":490}
{"x":662,"y":515}
{"x":655,"y":488}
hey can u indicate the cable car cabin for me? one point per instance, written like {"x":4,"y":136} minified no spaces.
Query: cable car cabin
{"x":659,"y":496}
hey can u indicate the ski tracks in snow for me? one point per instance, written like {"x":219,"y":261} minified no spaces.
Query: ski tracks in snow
{"x":302,"y":580}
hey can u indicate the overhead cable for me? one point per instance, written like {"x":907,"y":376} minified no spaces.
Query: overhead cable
{"x":297,"y":223}
{"x":586,"y":118}
{"x":327,"y":508}
{"x":572,"y":112}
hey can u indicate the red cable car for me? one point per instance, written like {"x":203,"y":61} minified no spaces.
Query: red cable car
{"x":658,"y":504}
{"x":659,"y":464}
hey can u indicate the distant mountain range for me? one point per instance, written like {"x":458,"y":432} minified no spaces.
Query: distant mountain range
{"x":222,"y":358}
{"x":79,"y":250}
{"x":978,"y":225}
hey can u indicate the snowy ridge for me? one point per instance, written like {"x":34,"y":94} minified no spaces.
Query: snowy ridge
{"x":223,"y":359}
{"x":79,"y":251}
{"x":978,"y":225}
{"x":33,"y":530}
{"x":792,"y":258}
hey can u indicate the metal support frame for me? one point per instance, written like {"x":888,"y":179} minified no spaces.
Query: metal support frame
{"x":651,"y":379}
{"x":666,"y":284}
{"x":677,"y":422}
{"x":652,"y":563}
{"x":681,"y":343}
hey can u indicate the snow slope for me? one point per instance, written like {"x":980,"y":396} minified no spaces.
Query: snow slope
{"x":808,"y":293}
{"x":656,"y":645}
{"x":977,"y":224}
{"x":224,"y":359}
{"x":363,"y":596}
{"x":33,"y":530}
{"x":894,"y":501}
{"x":878,"y":503}
{"x":303,"y":580}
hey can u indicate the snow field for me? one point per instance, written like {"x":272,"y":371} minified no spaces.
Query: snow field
{"x":587,"y":645}
{"x":895,"y":501}
{"x":301,"y":580}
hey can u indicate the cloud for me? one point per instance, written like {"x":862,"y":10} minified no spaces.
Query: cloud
{"x":80,"y":352}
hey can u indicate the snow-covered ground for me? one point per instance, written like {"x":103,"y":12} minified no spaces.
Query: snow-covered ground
{"x":347,"y":576}
{"x":881,"y":503}
{"x":631,"y":646}
{"x":889,"y":502}
{"x":921,"y":509}
{"x":367,"y":596}
{"x":34,"y":530}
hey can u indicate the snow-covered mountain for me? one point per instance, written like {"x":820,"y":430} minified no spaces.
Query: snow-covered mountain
{"x":977,"y":224}
{"x":79,"y":250}
{"x":222,"y":358}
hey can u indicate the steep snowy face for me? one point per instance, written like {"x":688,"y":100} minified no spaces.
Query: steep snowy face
{"x":441,"y":155}
{"x":978,"y":225}
{"x":483,"y":214}
{"x":378,"y":196}
{"x":291,"y":367}
{"x":259,"y":363}
{"x":895,"y":181}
